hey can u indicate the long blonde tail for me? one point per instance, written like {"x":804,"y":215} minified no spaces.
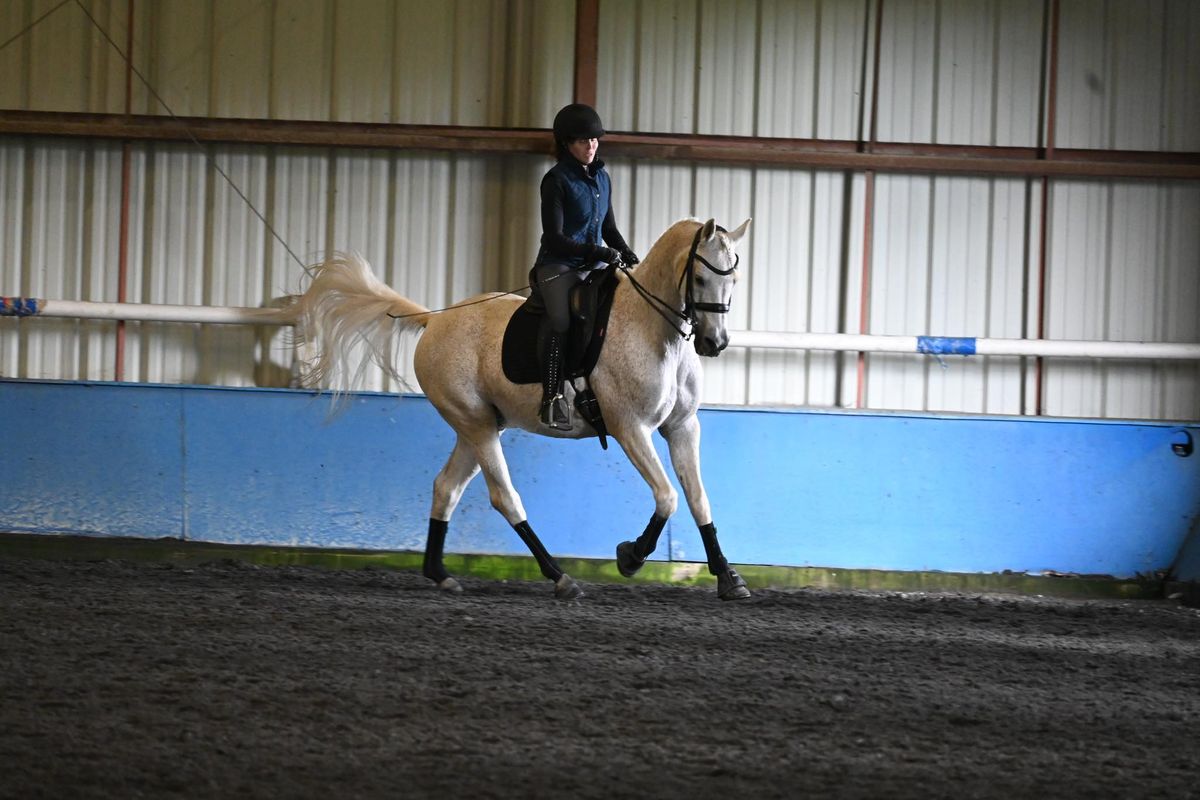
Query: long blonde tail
{"x":345,"y":306}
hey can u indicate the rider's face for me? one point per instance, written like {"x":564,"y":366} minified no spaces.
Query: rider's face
{"x":584,"y":150}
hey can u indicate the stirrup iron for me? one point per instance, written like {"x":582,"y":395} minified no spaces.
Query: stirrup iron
{"x":556,"y":413}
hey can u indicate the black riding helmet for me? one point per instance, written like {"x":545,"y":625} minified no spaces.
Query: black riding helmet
{"x":576,"y":121}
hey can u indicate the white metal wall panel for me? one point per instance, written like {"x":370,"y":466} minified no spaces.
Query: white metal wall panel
{"x":170,"y":190}
{"x":798,"y":266}
{"x":466,"y":62}
{"x":1123,"y":266}
{"x":770,"y":68}
{"x":960,"y":72}
{"x":13,"y":177}
{"x":63,"y":63}
{"x":948,"y":260}
{"x":646,"y":70}
{"x":60,"y":202}
{"x":728,"y":61}
{"x":1129,"y":75}
{"x":810,"y":65}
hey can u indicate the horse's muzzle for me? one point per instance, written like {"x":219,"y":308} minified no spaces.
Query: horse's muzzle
{"x":711,"y":346}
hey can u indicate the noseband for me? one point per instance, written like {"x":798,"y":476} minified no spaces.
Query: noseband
{"x":690,"y":306}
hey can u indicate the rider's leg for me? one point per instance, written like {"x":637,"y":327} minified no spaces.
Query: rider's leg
{"x":555,"y":282}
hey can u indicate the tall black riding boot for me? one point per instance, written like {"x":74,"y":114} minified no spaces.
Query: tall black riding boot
{"x":555,"y":411}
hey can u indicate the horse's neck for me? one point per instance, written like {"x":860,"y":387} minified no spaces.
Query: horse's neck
{"x":655,"y":323}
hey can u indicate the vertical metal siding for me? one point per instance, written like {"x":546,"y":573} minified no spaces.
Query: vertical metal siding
{"x":948,"y":259}
{"x":1119,"y":254}
{"x":952,"y":255}
{"x":798,"y":272}
{"x":960,"y":72}
{"x":1129,"y":75}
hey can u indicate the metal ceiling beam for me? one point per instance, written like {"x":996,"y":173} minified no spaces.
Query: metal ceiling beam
{"x":738,"y":150}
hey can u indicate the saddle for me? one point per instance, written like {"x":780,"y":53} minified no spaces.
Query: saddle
{"x":525,"y":337}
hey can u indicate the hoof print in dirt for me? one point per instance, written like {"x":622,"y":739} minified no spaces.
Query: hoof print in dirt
{"x":565,"y":588}
{"x":730,"y":586}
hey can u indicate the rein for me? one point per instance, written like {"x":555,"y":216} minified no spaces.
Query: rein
{"x":690,"y":306}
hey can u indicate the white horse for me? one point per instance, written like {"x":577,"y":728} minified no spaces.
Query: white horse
{"x":647,"y":379}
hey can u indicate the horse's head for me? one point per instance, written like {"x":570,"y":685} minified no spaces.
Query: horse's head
{"x":707,"y":281}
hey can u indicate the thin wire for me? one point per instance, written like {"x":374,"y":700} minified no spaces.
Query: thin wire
{"x":31,"y":25}
{"x":463,"y":305}
{"x":207,"y":155}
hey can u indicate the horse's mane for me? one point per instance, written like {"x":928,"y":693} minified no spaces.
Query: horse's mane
{"x":678,"y":236}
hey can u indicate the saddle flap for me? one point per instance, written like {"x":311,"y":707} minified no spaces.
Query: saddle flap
{"x":590,"y":303}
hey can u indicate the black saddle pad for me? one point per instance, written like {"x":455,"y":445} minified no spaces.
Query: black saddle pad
{"x":525,"y":335}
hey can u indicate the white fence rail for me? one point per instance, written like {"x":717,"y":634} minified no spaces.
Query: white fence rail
{"x":866,"y":343}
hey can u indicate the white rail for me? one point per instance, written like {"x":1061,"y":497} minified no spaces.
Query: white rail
{"x":929,"y":345}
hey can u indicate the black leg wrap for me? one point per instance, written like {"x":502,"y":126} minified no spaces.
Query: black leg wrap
{"x":648,"y":541}
{"x":434,"y":547}
{"x":716,"y":561}
{"x":547,"y":563}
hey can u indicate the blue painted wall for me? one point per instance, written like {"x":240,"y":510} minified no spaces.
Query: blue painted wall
{"x":799,"y":488}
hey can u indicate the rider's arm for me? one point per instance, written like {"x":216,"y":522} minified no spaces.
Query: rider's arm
{"x":613,"y":239}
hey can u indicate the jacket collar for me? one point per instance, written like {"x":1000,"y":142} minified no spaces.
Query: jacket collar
{"x":573,"y":164}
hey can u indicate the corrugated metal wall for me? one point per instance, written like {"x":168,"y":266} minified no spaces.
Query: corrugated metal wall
{"x":950,"y":255}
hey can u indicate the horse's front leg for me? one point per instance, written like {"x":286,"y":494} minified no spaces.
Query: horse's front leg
{"x":640,"y":451}
{"x":684,"y":442}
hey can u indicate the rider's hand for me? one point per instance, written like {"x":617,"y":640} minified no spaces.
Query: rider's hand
{"x":629,"y":258}
{"x":607,"y":255}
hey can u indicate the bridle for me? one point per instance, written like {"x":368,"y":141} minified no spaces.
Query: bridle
{"x":690,"y":306}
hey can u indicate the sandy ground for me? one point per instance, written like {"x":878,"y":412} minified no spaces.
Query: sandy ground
{"x":227,"y":680}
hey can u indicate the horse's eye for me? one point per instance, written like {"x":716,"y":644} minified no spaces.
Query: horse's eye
{"x":701,"y":282}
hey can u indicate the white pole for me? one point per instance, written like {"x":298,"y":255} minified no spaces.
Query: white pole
{"x":151,"y":312}
{"x":1061,"y":348}
{"x":930,"y":345}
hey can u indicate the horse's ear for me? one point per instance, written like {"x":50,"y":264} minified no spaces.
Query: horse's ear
{"x":737,"y":233}
{"x":708,"y":230}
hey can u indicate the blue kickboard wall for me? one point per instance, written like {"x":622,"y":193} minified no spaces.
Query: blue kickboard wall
{"x":787,"y":487}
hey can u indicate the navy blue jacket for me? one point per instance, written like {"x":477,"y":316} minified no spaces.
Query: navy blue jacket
{"x":577,"y":218}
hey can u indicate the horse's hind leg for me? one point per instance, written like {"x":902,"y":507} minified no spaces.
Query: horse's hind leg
{"x":448,"y":489}
{"x":506,"y":500}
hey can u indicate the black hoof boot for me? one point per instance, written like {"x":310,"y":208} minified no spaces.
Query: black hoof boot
{"x":627,"y":561}
{"x":730,"y":586}
{"x":565,"y":588}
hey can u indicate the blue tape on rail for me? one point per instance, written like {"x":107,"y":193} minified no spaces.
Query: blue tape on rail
{"x":946,"y":345}
{"x":19,"y":306}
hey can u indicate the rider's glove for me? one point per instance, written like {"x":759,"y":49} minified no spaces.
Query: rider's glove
{"x":607,"y":255}
{"x":629,"y":258}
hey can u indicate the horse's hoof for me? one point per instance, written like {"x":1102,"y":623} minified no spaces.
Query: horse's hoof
{"x":565,"y":588}
{"x":627,"y":562}
{"x":450,"y":586}
{"x":730,"y":586}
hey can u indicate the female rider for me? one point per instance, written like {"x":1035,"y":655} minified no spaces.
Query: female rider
{"x":578,"y":230}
